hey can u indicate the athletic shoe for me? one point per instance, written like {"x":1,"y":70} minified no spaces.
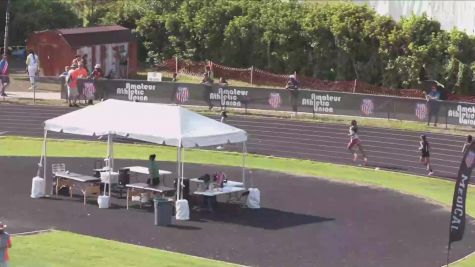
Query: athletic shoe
{"x":430,"y":173}
{"x":219,"y":148}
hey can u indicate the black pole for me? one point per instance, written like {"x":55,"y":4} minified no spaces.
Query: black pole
{"x":448,"y":254}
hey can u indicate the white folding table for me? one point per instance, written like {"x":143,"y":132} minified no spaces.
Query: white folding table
{"x":139,"y":188}
{"x":85,"y":183}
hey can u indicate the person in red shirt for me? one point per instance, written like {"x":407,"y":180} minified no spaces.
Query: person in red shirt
{"x":5,"y":244}
{"x":78,"y":73}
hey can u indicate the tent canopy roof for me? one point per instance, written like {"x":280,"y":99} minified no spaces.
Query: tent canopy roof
{"x":154,"y":123}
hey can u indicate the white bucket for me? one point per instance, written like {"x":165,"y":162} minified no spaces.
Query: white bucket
{"x":103,"y":201}
{"x":182,"y":210}
{"x":37,"y":187}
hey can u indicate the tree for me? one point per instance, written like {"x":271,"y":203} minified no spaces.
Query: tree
{"x":36,"y":15}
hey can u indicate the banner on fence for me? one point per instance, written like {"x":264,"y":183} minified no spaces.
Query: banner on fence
{"x":316,"y":102}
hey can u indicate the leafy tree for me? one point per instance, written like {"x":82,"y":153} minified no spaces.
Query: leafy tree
{"x":36,"y":15}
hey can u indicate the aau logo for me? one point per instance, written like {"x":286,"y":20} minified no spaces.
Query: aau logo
{"x":275,"y":100}
{"x":182,"y":94}
{"x":421,"y":111}
{"x":367,"y":106}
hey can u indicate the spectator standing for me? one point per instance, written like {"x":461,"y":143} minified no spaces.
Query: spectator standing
{"x":207,"y":82}
{"x":293,"y":86}
{"x":64,"y":79}
{"x":84,"y":62}
{"x":209,"y":72}
{"x":78,"y":73}
{"x":96,"y":74}
{"x":5,"y":244}
{"x":433,"y":105}
{"x":72,"y":92}
{"x":467,"y":144}
{"x":32,"y":63}
{"x":154,"y":171}
{"x":76,"y":60}
{"x":424,"y":148}
{"x":4,"y":74}
{"x":223,"y":84}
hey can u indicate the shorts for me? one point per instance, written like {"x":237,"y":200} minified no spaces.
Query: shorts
{"x":353,"y":142}
{"x":72,"y":93}
{"x":5,"y":79}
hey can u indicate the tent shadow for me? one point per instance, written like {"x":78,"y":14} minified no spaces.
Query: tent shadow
{"x":265,"y":218}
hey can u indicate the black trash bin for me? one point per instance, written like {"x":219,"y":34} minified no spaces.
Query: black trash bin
{"x":163,"y":211}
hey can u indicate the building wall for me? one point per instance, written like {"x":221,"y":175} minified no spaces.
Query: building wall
{"x":53,"y":52}
{"x":451,"y":14}
{"x":116,"y":59}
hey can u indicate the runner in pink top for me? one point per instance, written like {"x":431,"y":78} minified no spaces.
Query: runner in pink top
{"x":356,"y":142}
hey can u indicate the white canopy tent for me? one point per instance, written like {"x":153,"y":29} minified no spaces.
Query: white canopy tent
{"x":155,"y":123}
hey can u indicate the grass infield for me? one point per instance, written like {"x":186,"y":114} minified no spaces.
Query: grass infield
{"x":431,"y":189}
{"x":59,"y":249}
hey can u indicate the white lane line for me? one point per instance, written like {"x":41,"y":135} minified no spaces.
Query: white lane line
{"x":340,"y":155}
{"x":372,"y":130}
{"x":366,"y":139}
{"x":33,"y":232}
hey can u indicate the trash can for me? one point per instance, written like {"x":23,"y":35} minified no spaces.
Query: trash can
{"x":163,"y":211}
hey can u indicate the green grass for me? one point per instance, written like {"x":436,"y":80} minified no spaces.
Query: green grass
{"x":59,"y":249}
{"x":436,"y":190}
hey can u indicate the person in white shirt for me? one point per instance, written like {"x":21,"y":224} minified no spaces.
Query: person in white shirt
{"x":32,"y":67}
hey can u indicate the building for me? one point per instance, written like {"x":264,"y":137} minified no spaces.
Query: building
{"x":451,"y":14}
{"x":114,"y":47}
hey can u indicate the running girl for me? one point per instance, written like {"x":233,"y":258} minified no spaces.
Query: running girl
{"x":467,"y":144}
{"x":425,"y":154}
{"x":356,"y":142}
